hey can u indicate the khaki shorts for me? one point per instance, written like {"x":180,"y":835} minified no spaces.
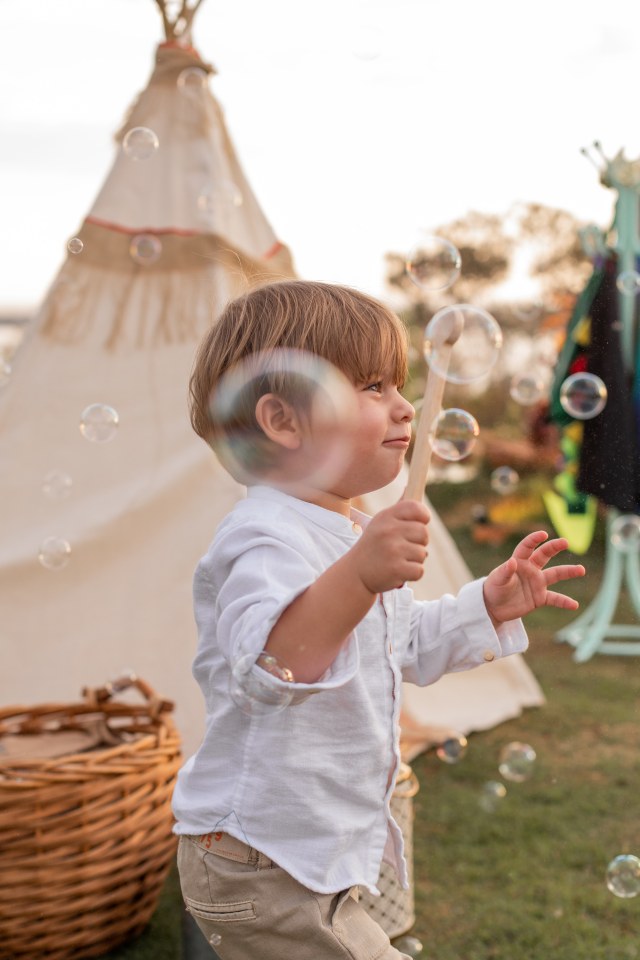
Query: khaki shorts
{"x":248,"y":908}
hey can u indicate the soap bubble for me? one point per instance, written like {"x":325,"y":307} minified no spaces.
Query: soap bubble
{"x":491,"y":796}
{"x":453,"y":434}
{"x":99,"y":423}
{"x":583,"y":396}
{"x":311,"y":393}
{"x":409,"y":945}
{"x":57,"y":485}
{"x":215,"y":939}
{"x":140,"y":143}
{"x":145,"y":249}
{"x":54,"y":553}
{"x":623,"y":876}
{"x":504,"y":480}
{"x":527,"y":388}
{"x":628,"y":282}
{"x":75,"y":245}
{"x":192,"y":80}
{"x":252,"y":691}
{"x":452,"y":749}
{"x":517,"y":761}
{"x":625,"y":533}
{"x":475,"y":351}
{"x":223,"y":194}
{"x":434,"y":264}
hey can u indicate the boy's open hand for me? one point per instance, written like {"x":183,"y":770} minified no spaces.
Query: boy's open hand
{"x":521,"y":584}
{"x":393,"y":547}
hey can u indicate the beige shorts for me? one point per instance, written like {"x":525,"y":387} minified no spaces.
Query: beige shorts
{"x":248,"y":908}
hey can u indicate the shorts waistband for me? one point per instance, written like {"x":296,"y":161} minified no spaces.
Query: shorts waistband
{"x":224,"y":845}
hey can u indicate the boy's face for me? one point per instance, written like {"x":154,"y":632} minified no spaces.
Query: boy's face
{"x":380,"y":439}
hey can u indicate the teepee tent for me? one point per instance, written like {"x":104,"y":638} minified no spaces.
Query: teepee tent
{"x":108,"y":497}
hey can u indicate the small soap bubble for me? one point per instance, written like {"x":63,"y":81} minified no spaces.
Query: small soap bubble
{"x":623,"y":876}
{"x":145,"y":249}
{"x":528,"y":312}
{"x":527,"y":388}
{"x":250,"y":687}
{"x":5,"y":372}
{"x":192,"y":80}
{"x":628,"y":283}
{"x":475,"y":351}
{"x":140,"y":143}
{"x":517,"y":761}
{"x":215,"y":939}
{"x":409,"y":945}
{"x":218,"y":196}
{"x":54,"y":553}
{"x":57,"y":485}
{"x":434,"y":263}
{"x":583,"y":396}
{"x":306,"y":390}
{"x":452,"y":749}
{"x":453,"y":434}
{"x":99,"y":423}
{"x":75,"y":245}
{"x":491,"y":795}
{"x":504,"y":480}
{"x":625,"y":533}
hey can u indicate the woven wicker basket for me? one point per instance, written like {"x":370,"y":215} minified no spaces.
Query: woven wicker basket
{"x":85,"y":836}
{"x":394,"y":909}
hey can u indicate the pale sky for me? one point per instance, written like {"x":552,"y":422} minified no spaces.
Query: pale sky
{"x":457,"y":106}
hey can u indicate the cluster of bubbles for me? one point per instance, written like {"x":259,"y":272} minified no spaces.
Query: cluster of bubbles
{"x":252,"y":689}
{"x":516,"y":764}
{"x":98,"y":424}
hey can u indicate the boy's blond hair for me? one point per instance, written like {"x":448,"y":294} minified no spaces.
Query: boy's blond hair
{"x":353,"y":331}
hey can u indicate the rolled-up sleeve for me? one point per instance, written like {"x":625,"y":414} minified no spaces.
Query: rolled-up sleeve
{"x":454,"y":634}
{"x":263,"y":577}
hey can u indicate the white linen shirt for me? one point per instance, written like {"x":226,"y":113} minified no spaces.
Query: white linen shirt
{"x":310,"y":786}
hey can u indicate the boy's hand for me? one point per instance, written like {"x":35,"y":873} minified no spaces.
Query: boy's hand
{"x":393,"y":547}
{"x":521,"y":584}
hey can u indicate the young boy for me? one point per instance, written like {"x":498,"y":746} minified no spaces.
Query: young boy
{"x":282,"y":815}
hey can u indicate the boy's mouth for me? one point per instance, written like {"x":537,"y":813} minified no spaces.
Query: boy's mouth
{"x":400,"y":442}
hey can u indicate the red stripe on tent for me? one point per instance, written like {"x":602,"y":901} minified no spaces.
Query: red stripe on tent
{"x":271,"y":252}
{"x":163,"y":231}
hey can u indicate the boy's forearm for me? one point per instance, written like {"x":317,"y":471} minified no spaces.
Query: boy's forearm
{"x":312,"y":630}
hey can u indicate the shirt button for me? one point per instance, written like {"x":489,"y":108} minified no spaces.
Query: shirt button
{"x":489,"y":655}
{"x":356,"y":527}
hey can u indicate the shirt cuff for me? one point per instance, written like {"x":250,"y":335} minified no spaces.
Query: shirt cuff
{"x":509,"y":638}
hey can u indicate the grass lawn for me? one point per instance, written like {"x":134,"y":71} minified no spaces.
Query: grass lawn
{"x":526,"y":882}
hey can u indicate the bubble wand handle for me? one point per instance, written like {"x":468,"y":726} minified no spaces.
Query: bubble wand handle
{"x":444,"y":337}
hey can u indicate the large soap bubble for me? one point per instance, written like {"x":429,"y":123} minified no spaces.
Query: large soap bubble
{"x":434,"y":263}
{"x":475,"y":351}
{"x":307,"y":391}
{"x":583,"y":396}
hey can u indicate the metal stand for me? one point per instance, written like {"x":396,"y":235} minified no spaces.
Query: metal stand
{"x":589,"y":631}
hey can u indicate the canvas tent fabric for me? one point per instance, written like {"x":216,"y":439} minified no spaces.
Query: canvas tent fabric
{"x":140,"y":509}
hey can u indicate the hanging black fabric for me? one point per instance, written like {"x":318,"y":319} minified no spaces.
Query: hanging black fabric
{"x":609,"y":456}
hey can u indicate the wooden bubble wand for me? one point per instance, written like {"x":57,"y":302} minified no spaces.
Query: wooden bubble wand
{"x":445,"y":334}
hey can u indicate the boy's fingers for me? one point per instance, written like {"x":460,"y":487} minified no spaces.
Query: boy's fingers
{"x":550,"y":549}
{"x":560,"y":601}
{"x":566,"y":571}
{"x":526,"y":547}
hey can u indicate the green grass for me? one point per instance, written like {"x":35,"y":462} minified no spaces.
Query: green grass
{"x":526,"y":882}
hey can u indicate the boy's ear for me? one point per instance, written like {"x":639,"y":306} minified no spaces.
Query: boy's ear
{"x":279,"y":421}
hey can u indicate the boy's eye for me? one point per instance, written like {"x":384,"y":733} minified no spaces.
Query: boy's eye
{"x":377,"y":386}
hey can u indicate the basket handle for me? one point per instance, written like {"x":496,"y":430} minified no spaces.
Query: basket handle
{"x":99,"y":695}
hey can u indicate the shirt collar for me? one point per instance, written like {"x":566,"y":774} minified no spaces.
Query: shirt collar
{"x":328,"y":519}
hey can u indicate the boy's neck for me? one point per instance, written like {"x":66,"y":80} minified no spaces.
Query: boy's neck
{"x":320,"y":498}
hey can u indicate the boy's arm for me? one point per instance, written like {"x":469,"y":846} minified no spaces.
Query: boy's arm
{"x":312,"y":630}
